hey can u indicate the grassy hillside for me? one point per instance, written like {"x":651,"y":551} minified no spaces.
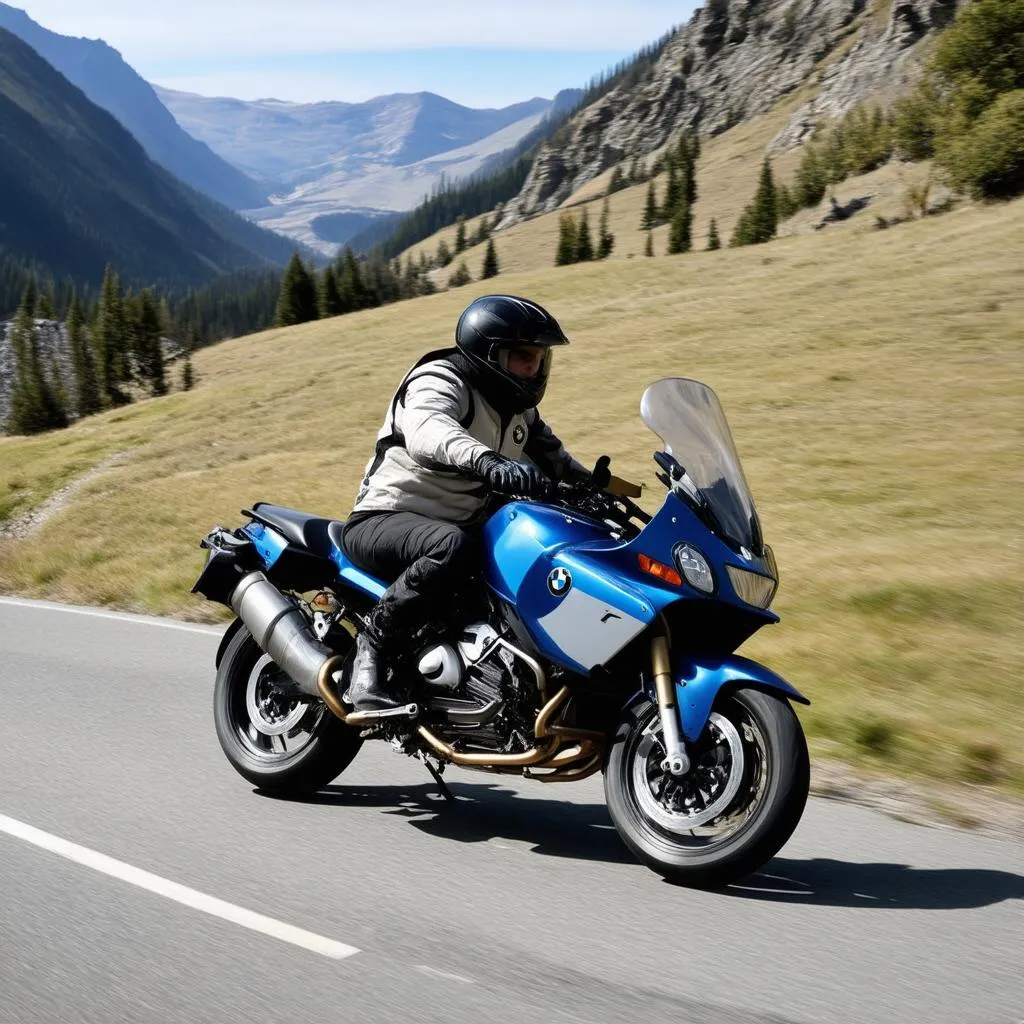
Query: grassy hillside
{"x":872,"y":384}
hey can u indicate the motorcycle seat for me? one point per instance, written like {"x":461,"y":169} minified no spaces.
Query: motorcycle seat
{"x":300,"y":528}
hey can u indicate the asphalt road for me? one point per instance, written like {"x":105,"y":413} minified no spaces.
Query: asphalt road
{"x":518,"y":903}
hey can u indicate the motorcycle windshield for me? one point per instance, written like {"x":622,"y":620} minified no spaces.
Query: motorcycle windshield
{"x":688,"y":417}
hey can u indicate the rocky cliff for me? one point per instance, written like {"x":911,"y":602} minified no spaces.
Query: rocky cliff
{"x":734,"y":60}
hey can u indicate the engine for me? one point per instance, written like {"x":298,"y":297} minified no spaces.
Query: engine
{"x":481,"y":689}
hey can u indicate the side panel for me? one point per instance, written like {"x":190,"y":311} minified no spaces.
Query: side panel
{"x":269,"y":543}
{"x":561,"y":572}
{"x":348,"y":571}
{"x":699,"y":681}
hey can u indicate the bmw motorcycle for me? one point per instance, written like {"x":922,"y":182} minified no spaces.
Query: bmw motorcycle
{"x":599,"y":639}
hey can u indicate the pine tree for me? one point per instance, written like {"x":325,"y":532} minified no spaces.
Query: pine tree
{"x":188,"y":377}
{"x":490,"y":267}
{"x":688,"y":148}
{"x":444,"y":254}
{"x":34,"y":406}
{"x":297,"y":301}
{"x":679,"y":238}
{"x":765,"y":212}
{"x":636,"y":174}
{"x":352,"y":288}
{"x":327,"y":294}
{"x":45,"y":306}
{"x":713,"y":240}
{"x":87,"y":389}
{"x":566,"y":240}
{"x":584,"y":245}
{"x":606,"y":240}
{"x":617,"y":182}
{"x":149,"y":357}
{"x":649,"y":243}
{"x":483,"y":231}
{"x":111,"y":340}
{"x":460,"y":277}
{"x":460,"y":235}
{"x":673,"y":193}
{"x":811,"y":181}
{"x":650,"y":217}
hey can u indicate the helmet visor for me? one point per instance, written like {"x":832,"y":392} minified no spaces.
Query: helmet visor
{"x":528,"y":364}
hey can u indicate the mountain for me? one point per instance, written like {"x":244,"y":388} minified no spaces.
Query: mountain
{"x":287,"y":144}
{"x":312,"y":213}
{"x":98,"y":70}
{"x":733,"y":61}
{"x":335,"y":167}
{"x":78,"y":191}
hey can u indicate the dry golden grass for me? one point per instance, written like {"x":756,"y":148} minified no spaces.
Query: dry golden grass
{"x":726,"y":180}
{"x":872,"y":380}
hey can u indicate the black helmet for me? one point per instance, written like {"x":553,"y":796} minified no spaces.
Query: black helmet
{"x":492,"y":325}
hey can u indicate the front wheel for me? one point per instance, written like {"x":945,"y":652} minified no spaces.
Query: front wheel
{"x":735,"y":808}
{"x":281,"y":745}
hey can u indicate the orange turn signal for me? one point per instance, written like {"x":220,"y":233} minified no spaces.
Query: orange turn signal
{"x":663,"y":572}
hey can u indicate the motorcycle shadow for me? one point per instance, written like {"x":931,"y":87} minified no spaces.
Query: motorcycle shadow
{"x":834,"y":883}
{"x":482,"y":812}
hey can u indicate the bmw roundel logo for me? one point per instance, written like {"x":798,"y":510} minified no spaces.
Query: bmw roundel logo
{"x":519,"y":434}
{"x":559,"y":581}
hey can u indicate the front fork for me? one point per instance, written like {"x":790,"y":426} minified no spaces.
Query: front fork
{"x":677,"y":761}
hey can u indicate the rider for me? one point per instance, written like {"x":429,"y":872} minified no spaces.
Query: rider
{"x":461,"y":422}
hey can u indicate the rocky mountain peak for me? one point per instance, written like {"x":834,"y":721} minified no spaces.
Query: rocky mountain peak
{"x":733,"y":61}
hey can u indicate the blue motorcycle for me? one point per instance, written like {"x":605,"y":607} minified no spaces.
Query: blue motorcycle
{"x":598,"y":639}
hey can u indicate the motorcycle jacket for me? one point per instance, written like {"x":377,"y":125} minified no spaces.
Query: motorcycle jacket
{"x":437,"y":427}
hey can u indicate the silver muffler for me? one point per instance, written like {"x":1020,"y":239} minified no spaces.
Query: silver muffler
{"x":280,"y":628}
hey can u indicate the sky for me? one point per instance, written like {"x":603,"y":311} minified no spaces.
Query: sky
{"x":487,"y":53}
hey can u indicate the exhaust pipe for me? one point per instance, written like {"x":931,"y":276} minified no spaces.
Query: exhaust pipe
{"x":280,"y":628}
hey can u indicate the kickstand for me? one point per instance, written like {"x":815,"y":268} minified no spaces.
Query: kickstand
{"x":441,"y":784}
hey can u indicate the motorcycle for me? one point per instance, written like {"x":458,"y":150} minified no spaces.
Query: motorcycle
{"x":599,"y":638}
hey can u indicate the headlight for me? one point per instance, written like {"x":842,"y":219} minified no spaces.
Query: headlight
{"x":695,"y":569}
{"x":752,"y":587}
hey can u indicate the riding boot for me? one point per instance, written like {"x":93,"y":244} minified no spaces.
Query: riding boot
{"x":367,"y":689}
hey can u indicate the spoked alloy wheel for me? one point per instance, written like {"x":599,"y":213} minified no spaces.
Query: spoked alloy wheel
{"x":282,"y":745}
{"x":738,"y":804}
{"x":271,"y":724}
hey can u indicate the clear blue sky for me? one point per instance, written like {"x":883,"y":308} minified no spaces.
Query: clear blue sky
{"x":477,"y":53}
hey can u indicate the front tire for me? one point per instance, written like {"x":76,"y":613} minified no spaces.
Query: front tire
{"x":280,"y":745}
{"x":736,"y":807}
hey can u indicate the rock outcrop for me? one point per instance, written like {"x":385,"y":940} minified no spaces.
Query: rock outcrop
{"x":54,"y":350}
{"x":734,"y":60}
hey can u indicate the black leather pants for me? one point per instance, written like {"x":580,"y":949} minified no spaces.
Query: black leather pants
{"x":423,"y":559}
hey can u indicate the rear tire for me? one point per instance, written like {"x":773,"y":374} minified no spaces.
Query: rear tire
{"x":737,"y":807}
{"x":314,"y":745}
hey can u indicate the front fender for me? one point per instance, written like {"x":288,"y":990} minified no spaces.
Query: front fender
{"x":700,"y":680}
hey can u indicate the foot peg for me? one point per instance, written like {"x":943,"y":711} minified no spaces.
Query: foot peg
{"x":363,"y":717}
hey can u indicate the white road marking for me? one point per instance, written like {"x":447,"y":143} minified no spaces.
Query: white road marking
{"x":173,"y":891}
{"x":435,"y":973}
{"x":117,"y":616}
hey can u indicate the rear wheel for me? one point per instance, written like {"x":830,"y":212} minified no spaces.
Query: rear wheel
{"x":281,"y":745}
{"x":736,"y":807}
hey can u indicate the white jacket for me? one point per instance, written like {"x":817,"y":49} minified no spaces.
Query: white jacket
{"x":436,"y":429}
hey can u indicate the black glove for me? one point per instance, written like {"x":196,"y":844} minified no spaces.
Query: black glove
{"x":508,"y":477}
{"x":601,"y":476}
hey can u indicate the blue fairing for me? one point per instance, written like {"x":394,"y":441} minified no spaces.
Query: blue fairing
{"x":610,"y":599}
{"x":698,"y":682}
